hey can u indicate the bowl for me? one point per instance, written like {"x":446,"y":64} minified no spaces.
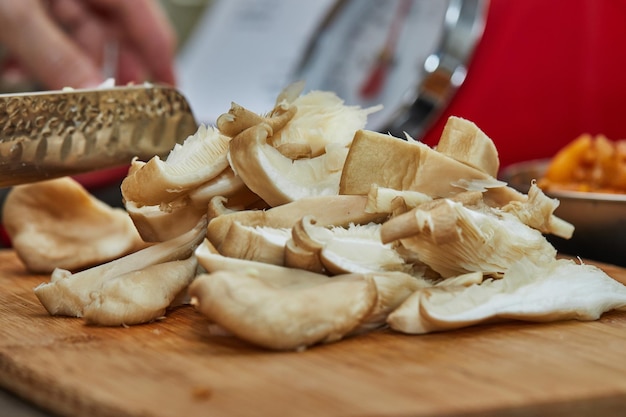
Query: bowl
{"x":599,"y":218}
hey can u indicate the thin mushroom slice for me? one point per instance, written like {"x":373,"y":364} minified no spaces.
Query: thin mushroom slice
{"x":140,"y":296}
{"x":338,"y":210}
{"x":164,"y":221}
{"x":200,"y":158}
{"x":562,"y":290}
{"x":282,"y":318}
{"x":274,"y":275}
{"x":57,"y":223}
{"x":355,"y":249}
{"x":256,"y":243}
{"x":385,"y":200}
{"x":67,"y":294}
{"x":392,"y":288}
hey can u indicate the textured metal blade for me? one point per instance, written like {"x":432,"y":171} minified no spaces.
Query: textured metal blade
{"x":46,"y":135}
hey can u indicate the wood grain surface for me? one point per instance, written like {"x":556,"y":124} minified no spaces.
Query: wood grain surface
{"x":173,"y":367}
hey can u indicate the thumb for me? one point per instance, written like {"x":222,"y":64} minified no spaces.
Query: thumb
{"x":48,"y":54}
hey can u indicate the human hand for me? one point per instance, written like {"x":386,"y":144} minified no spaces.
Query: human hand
{"x":66,"y":43}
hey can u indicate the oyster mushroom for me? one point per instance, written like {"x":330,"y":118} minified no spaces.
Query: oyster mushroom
{"x":355,"y":249}
{"x":338,"y":210}
{"x":278,"y":179}
{"x":200,"y":158}
{"x":392,"y":288}
{"x":562,"y":290}
{"x":57,"y":223}
{"x":297,"y":151}
{"x":165,"y":221}
{"x":453,"y":239}
{"x":257,"y":243}
{"x":140,"y":296}
{"x":376,"y":158}
{"x":386,"y":200}
{"x":68,"y":294}
{"x":464,"y":141}
{"x":285,"y":318}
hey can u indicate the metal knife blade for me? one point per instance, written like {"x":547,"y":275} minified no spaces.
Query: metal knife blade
{"x":44,"y":135}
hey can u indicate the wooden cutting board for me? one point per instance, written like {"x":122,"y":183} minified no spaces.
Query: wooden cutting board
{"x":174,"y":368}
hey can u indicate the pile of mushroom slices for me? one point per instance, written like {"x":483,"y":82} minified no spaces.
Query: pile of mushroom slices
{"x":299,"y":227}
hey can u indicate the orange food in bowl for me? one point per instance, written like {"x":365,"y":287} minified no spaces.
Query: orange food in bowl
{"x":588,"y":163}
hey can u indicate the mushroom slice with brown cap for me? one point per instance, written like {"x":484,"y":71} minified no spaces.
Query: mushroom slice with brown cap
{"x":286,"y":318}
{"x":140,"y":296}
{"x":67,"y":294}
{"x":453,"y":239}
{"x":200,"y":158}
{"x":57,"y":223}
{"x":562,"y":290}
{"x":338,"y":210}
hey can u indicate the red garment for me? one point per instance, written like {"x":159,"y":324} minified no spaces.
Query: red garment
{"x":545,"y":72}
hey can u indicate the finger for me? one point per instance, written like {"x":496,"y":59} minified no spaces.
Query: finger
{"x":42,"y":48}
{"x":148,"y":32}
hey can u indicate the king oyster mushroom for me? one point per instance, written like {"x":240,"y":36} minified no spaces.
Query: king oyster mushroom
{"x":58,"y":224}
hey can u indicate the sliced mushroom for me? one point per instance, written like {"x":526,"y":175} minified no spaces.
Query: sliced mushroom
{"x":68,"y":294}
{"x":278,"y":179}
{"x":464,"y":141}
{"x":164,"y":221}
{"x":392,"y":289}
{"x":376,"y":158}
{"x":562,"y":290}
{"x":282,"y":318}
{"x":537,"y":211}
{"x":200,"y":158}
{"x":338,"y":210}
{"x":356,"y":249}
{"x":212,"y":261}
{"x":385,"y":200}
{"x":140,"y":296}
{"x":453,"y":239}
{"x":58,"y":224}
{"x":322,"y":118}
{"x":256,"y":243}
